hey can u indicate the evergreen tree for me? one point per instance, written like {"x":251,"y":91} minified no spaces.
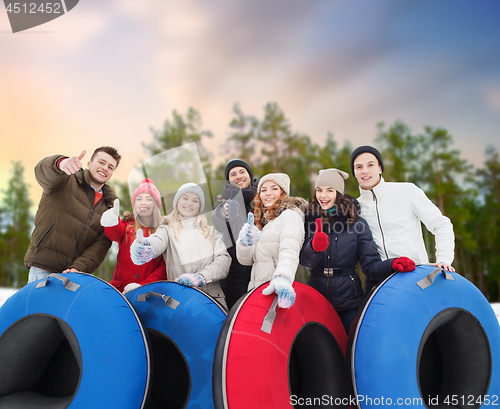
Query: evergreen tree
{"x":274,"y":131}
{"x":243,"y":135}
{"x":15,"y":229}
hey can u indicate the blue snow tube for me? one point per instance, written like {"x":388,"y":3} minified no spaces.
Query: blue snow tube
{"x":426,"y":338}
{"x":71,"y":341}
{"x":183,"y":325}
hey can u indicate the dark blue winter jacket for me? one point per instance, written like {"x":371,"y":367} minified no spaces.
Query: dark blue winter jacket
{"x":347,"y":246}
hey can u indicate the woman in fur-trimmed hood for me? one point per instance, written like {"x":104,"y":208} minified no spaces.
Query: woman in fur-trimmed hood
{"x":271,"y":240}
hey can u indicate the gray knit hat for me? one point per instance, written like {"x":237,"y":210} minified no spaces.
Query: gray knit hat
{"x":332,"y":178}
{"x":193,"y":188}
{"x":281,"y":179}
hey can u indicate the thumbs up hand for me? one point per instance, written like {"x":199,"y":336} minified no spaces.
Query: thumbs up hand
{"x":320,"y":239}
{"x":249,"y":234}
{"x":229,"y":210}
{"x":140,"y":250}
{"x":73,"y":164}
{"x":111,"y":217}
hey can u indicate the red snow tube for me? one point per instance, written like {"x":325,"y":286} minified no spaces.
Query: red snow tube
{"x":278,"y":358}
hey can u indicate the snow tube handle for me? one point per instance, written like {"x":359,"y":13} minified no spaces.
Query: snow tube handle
{"x":429,"y":279}
{"x":169,"y":301}
{"x":68,"y":284}
{"x":267,"y":324}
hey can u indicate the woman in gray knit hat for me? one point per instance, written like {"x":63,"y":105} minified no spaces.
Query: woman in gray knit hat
{"x":336,"y":238}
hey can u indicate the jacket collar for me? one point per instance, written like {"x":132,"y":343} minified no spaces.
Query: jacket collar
{"x":377,"y":189}
{"x":83,"y":177}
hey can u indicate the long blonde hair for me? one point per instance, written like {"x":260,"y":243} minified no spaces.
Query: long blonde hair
{"x":175,"y":221}
{"x":133,"y":216}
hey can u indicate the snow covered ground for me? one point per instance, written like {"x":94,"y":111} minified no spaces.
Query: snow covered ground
{"x":6,"y":293}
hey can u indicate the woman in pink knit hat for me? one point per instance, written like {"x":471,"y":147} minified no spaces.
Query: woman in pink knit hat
{"x":146,"y":204}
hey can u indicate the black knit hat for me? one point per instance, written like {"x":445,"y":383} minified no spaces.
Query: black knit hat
{"x":237,"y":162}
{"x":366,"y":149}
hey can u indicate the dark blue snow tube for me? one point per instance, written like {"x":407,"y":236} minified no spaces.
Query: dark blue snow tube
{"x":71,"y":341}
{"x":183,"y":325}
{"x":426,"y":339}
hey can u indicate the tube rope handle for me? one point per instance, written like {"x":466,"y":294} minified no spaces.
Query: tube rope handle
{"x":68,"y":284}
{"x":169,"y":301}
{"x":429,"y":279}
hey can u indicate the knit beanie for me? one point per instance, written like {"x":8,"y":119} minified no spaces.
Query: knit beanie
{"x":234,"y":163}
{"x":366,"y":149}
{"x":281,"y":179}
{"x":193,"y":188}
{"x":147,"y":186}
{"x":333,"y":178}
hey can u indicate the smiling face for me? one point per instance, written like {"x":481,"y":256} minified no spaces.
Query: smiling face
{"x":239,"y":176}
{"x":326,"y":196}
{"x":367,"y":171}
{"x":101,"y":169}
{"x":270,"y":192}
{"x":144,"y":205}
{"x":188,"y":204}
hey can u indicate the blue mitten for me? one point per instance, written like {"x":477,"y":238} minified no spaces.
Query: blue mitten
{"x":283,"y":287}
{"x":249,"y":233}
{"x":191,"y":280}
{"x":140,"y":251}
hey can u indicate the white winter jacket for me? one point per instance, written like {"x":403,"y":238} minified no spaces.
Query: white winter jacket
{"x":394,"y":212}
{"x":277,"y":252}
{"x":193,"y":253}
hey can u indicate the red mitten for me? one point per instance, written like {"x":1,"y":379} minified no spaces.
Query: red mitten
{"x":403,"y":264}
{"x":320,"y":239}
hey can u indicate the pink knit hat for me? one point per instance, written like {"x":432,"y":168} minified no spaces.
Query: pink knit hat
{"x":147,"y":186}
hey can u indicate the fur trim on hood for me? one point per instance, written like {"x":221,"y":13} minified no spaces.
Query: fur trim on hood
{"x":290,"y":202}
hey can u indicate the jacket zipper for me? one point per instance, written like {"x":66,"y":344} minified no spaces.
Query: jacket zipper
{"x":328,"y":263}
{"x":85,"y":228}
{"x":354,"y":284}
{"x":379,"y":223}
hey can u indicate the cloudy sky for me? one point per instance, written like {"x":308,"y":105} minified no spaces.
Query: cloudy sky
{"x":108,"y":71}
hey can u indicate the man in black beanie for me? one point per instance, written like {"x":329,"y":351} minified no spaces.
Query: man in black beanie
{"x":394,"y":211}
{"x":229,"y":215}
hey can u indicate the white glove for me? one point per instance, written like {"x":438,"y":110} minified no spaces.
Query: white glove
{"x":110,"y":217}
{"x":283,"y":288}
{"x":130,"y":287}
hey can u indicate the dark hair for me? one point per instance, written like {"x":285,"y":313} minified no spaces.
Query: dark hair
{"x":344,"y":207}
{"x":110,"y":151}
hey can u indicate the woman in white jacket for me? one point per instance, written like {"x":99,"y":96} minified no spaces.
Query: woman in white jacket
{"x":194,"y":252}
{"x":272,"y":245}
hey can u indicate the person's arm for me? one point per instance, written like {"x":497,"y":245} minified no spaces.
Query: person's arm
{"x":159,"y":240}
{"x":309,"y":257}
{"x":116,"y":233}
{"x":369,"y":257}
{"x":438,"y":224}
{"x":244,"y":254}
{"x":219,"y":267}
{"x":92,"y":257}
{"x":48,"y":175}
{"x":291,"y":238}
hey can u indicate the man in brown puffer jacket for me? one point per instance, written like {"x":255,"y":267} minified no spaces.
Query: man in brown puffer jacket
{"x":68,"y":236}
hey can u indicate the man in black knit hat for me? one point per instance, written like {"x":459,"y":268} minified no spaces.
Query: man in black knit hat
{"x":229,"y":215}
